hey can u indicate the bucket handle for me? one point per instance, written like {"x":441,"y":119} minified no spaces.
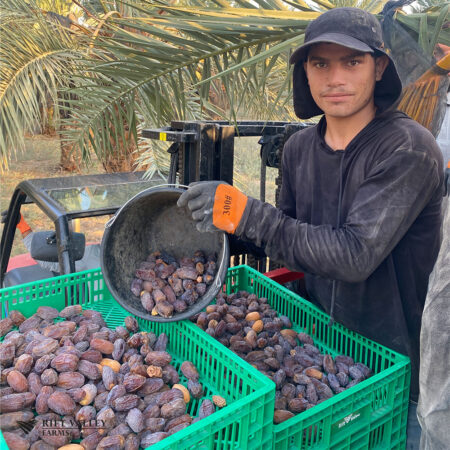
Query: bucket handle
{"x":217,"y":281}
{"x":113,"y":218}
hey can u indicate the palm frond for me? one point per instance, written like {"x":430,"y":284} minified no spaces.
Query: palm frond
{"x":428,"y":31}
{"x":36,"y":54}
{"x":144,"y":63}
{"x":169,"y":63}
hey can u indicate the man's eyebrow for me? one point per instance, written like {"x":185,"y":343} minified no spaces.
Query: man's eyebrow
{"x":316,"y":58}
{"x":354,"y":54}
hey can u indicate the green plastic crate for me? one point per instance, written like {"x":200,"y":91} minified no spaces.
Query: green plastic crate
{"x":246,"y":421}
{"x":371,"y":414}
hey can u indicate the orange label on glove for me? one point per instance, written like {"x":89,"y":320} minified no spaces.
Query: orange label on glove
{"x":229,"y":205}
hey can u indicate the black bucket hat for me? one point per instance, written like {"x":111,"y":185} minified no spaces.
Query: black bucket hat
{"x":352,"y":28}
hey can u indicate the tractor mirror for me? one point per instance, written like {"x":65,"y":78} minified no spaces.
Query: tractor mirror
{"x":44,"y":248}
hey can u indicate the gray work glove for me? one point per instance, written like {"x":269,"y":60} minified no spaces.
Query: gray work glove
{"x":214,"y":205}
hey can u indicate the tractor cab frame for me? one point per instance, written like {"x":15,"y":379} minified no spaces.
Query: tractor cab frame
{"x":64,"y":199}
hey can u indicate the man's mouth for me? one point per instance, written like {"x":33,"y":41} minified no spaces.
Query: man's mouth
{"x":336,"y":96}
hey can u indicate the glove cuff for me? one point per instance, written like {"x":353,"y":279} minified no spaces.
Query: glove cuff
{"x":229,"y":205}
{"x":22,"y":226}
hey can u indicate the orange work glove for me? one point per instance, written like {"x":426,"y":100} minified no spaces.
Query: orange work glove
{"x":214,"y":205}
{"x":22,"y":226}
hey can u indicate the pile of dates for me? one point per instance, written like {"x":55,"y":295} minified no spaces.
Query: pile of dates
{"x":303,"y":375}
{"x":78,"y":380}
{"x":165,"y":285}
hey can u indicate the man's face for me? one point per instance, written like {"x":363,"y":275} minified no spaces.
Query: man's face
{"x":342,"y":80}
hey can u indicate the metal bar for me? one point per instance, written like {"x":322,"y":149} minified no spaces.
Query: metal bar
{"x":50,"y":207}
{"x":258,"y":130}
{"x":91,"y":213}
{"x":9,"y":230}
{"x":207,"y":151}
{"x":190,"y":155}
{"x":181,"y":162}
{"x":243,"y":128}
{"x":225,"y":152}
{"x":59,"y":217}
{"x":63,"y":242}
{"x":169,"y":135}
{"x":185,"y":166}
{"x":173,"y":150}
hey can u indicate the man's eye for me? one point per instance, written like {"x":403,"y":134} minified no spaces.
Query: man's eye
{"x":353,"y":62}
{"x":320,"y":65}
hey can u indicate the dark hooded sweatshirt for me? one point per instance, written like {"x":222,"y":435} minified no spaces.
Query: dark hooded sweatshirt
{"x":368,"y":217}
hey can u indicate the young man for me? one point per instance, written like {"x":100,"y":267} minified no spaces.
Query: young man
{"x":361,"y":195}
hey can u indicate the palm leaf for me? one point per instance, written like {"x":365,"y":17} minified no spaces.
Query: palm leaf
{"x":144,"y":63}
{"x":36,"y":54}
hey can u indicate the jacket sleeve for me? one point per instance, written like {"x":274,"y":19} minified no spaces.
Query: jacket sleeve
{"x":385,"y":206}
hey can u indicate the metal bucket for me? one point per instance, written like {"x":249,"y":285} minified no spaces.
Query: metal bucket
{"x":148,"y":222}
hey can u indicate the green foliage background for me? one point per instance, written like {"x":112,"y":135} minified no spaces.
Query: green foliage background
{"x":109,"y":69}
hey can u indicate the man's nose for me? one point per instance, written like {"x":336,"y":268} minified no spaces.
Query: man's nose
{"x":336,"y":75}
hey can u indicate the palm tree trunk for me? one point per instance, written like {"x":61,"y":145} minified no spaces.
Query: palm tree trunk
{"x":69,"y":160}
{"x":123,"y":158}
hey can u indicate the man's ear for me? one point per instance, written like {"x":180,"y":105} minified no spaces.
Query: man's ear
{"x":381,"y":62}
